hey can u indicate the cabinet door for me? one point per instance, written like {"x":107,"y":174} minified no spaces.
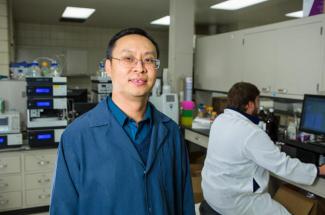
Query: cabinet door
{"x":259,"y":54}
{"x":218,"y":62}
{"x":299,"y":59}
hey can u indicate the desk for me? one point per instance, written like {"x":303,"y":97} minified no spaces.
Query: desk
{"x":201,"y":138}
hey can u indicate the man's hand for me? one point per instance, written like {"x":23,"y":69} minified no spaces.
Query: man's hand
{"x":322,"y":170}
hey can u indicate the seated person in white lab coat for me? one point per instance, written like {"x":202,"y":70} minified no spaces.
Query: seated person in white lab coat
{"x":240,"y":156}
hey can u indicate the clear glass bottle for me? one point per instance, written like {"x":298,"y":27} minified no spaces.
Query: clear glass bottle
{"x":101,"y":70}
{"x":55,"y":71}
{"x":34,"y":70}
{"x":262,"y":116}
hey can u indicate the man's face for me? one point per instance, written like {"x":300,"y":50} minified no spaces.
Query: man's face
{"x":137,"y":80}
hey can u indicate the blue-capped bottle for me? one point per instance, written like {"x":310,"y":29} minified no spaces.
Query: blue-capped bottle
{"x":34,"y":70}
{"x":55,"y":70}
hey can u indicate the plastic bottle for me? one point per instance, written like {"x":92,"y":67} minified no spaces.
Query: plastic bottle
{"x":55,"y":72}
{"x":292,"y":131}
{"x":262,"y":116}
{"x":101,"y":70}
{"x":34,"y":70}
{"x":272,"y":125}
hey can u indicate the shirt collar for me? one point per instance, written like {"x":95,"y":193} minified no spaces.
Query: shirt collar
{"x":122,"y":118}
{"x":253,"y":119}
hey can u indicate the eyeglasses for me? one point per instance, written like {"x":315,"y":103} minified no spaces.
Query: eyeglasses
{"x":149,"y":63}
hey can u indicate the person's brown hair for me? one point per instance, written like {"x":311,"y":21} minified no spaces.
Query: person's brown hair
{"x":240,"y":94}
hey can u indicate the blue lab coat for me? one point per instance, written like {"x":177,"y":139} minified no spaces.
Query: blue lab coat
{"x":99,"y":171}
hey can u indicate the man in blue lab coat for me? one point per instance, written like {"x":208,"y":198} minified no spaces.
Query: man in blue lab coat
{"x":124,"y":157}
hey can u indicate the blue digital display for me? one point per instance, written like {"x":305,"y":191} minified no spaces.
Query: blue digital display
{"x":44,"y":136}
{"x":42,"y":90}
{"x":43,"y":104}
{"x":2,"y":140}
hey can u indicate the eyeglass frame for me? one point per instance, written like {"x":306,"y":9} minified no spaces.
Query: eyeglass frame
{"x":157,"y":62}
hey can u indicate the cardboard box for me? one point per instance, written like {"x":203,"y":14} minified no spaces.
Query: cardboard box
{"x":296,"y":203}
{"x":313,"y":7}
{"x":197,"y":190}
{"x":197,"y":157}
{"x":196,"y":182}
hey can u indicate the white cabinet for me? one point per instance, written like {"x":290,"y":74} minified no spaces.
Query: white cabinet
{"x":259,"y":58}
{"x":10,"y":181}
{"x":283,"y":60}
{"x":39,"y":161}
{"x":10,"y":201}
{"x":299,"y":59}
{"x":10,"y":164}
{"x":26,"y":178}
{"x":38,"y":197}
{"x":218,"y":61}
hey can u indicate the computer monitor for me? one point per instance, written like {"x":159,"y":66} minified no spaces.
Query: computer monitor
{"x":313,"y":115}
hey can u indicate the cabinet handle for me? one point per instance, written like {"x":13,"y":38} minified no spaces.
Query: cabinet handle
{"x":41,"y":181}
{"x":43,"y":163}
{"x":44,"y":196}
{"x":284,"y":91}
{"x":4,"y":202}
{"x":4,"y":185}
{"x":197,"y":138}
{"x":3,"y":166}
{"x":266,"y":89}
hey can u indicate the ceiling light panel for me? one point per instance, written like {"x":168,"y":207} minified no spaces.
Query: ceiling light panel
{"x":297,"y":14}
{"x":162,"y":21}
{"x":77,"y":12}
{"x":236,"y":4}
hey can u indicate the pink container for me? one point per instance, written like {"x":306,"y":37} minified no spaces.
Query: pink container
{"x":187,"y":105}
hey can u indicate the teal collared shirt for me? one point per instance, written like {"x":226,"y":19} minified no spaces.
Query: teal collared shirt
{"x":138,"y":133}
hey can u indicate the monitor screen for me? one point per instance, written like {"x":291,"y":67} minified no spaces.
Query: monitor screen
{"x":313,"y":114}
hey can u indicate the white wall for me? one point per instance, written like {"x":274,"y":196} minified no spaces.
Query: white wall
{"x":4,"y":41}
{"x":34,"y":40}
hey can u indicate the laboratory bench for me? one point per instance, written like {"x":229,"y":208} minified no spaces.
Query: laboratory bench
{"x":200,"y":137}
{"x":25,"y":179}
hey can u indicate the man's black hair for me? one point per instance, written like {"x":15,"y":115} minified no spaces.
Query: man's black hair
{"x":241,"y":94}
{"x":125,"y":32}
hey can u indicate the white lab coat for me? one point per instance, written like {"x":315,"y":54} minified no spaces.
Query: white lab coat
{"x":238,"y":152}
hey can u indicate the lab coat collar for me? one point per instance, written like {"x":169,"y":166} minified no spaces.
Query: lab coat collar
{"x":253,"y":119}
{"x":101,"y":116}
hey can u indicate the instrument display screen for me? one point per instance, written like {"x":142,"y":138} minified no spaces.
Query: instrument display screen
{"x":2,"y":140}
{"x":44,"y":136}
{"x":43,"y":104}
{"x":42,"y":90}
